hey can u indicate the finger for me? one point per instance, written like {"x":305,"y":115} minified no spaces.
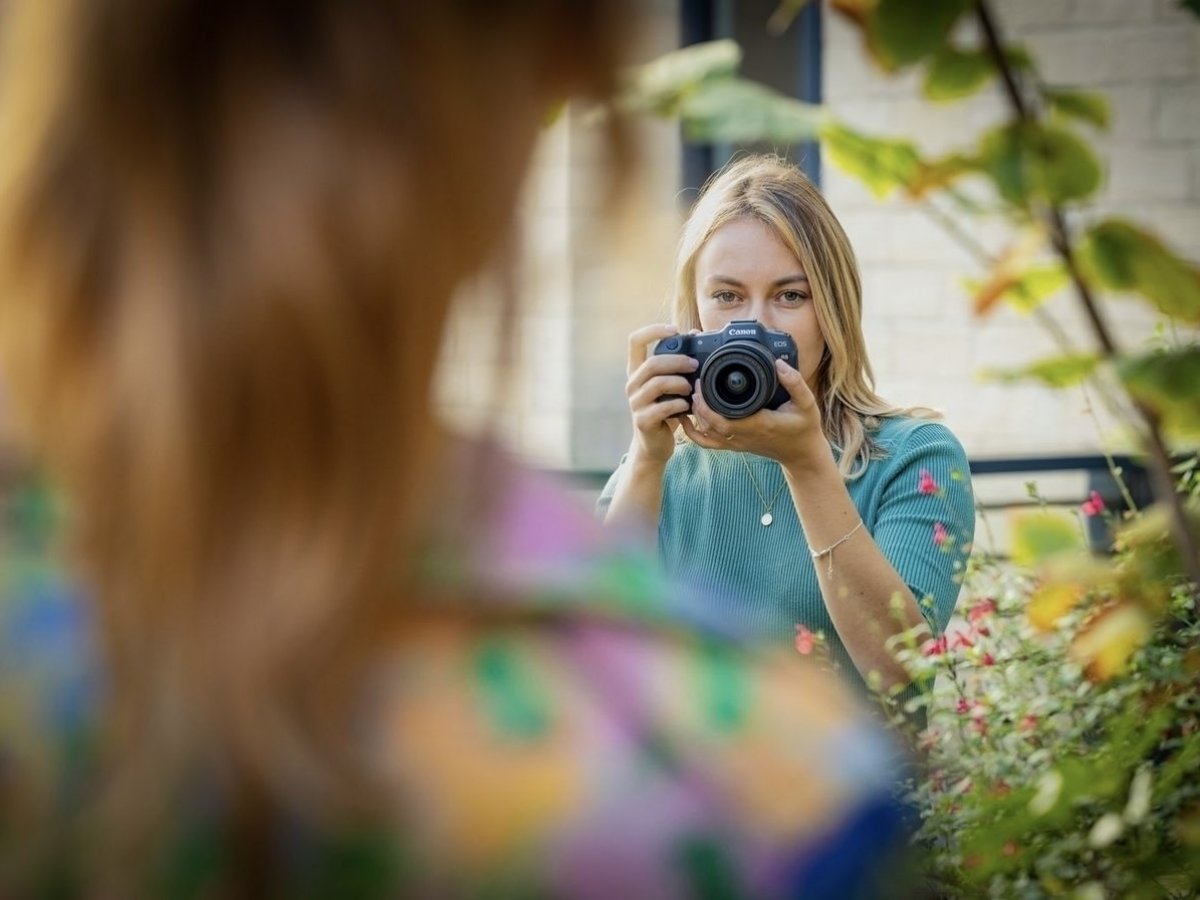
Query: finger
{"x":642,"y":395}
{"x":640,"y":341}
{"x":666,"y":364}
{"x":710,"y":440}
{"x":714,"y":421}
{"x":793,"y":382}
{"x":651,"y":417}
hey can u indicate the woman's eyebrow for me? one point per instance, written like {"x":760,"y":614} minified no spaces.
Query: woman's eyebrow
{"x":778,"y":282}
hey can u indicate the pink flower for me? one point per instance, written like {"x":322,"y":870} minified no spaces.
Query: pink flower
{"x":962,"y":641}
{"x":934,"y":647}
{"x":926,"y":484}
{"x":1093,"y":505}
{"x":988,"y":659}
{"x":939,"y":533}
{"x":981,"y":609}
{"x":1028,"y":722}
{"x":963,"y":706}
{"x":805,"y":640}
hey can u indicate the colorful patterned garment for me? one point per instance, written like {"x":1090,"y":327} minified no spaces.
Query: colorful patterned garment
{"x":577,"y":740}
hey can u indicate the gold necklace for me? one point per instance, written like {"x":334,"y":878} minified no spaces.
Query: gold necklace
{"x":767,"y":517}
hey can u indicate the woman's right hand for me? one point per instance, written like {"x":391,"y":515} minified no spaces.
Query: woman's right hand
{"x":658,"y":390}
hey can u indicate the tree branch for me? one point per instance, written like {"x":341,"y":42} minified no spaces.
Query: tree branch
{"x":1060,"y":237}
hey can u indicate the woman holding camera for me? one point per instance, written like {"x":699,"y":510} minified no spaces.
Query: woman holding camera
{"x":834,"y":513}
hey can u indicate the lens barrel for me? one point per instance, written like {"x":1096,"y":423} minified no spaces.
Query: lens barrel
{"x":738,"y":379}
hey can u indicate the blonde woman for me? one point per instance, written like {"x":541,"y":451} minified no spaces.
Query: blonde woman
{"x":830,"y":512}
{"x":310,"y":644}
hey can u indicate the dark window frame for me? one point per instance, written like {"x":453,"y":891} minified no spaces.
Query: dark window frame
{"x":790,"y":63}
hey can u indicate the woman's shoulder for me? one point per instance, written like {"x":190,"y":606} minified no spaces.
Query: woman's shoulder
{"x":895,"y":434}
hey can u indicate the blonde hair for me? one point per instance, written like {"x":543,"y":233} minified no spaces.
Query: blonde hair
{"x":774,"y":192}
{"x":229,"y":233}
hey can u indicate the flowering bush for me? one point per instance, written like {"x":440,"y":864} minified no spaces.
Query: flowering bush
{"x":1043,"y":774}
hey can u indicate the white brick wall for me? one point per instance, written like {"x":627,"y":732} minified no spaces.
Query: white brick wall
{"x":1143,"y":55}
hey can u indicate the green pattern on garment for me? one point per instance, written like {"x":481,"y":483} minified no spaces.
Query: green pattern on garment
{"x":634,"y":585}
{"x":723,"y":689}
{"x":514,"y":702}
{"x":364,"y":864}
{"x":194,"y":862}
{"x":708,"y":871}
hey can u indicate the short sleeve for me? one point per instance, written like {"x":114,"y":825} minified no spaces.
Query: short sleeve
{"x":925,"y":518}
{"x":604,"y":501}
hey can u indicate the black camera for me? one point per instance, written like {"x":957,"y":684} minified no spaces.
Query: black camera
{"x":737,"y":366}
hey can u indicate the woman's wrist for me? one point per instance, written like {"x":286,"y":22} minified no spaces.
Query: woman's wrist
{"x":642,"y":465}
{"x":813,"y":464}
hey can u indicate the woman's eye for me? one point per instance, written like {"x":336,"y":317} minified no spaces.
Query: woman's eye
{"x":793,"y":297}
{"x":725,"y":297}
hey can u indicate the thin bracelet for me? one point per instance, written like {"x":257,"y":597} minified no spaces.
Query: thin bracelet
{"x":828,"y":551}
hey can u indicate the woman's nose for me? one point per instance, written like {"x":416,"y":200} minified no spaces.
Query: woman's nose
{"x":761,"y":311}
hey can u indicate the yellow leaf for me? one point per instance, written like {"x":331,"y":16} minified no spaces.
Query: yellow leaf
{"x":1051,"y":603}
{"x":1039,"y":536}
{"x":1008,"y":267}
{"x":1104,"y":645}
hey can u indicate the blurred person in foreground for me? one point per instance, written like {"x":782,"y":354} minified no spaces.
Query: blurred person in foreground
{"x":312,"y":645}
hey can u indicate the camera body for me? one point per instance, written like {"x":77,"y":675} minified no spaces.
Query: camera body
{"x":737,"y":365}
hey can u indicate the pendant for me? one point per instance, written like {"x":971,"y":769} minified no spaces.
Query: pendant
{"x":767,"y":519}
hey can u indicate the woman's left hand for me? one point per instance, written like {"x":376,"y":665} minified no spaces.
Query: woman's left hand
{"x":791,"y":434}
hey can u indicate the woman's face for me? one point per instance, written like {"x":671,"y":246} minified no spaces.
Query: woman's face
{"x":744,"y":271}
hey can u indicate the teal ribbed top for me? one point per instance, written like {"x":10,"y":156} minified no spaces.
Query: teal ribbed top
{"x":710,"y":533}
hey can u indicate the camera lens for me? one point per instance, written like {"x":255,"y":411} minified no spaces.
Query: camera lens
{"x":738,"y":379}
{"x":734,"y":382}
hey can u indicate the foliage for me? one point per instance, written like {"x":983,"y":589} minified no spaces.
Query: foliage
{"x":1043,"y":775}
{"x":1062,"y":722}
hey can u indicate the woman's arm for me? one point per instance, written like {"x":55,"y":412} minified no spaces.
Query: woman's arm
{"x":868,"y":600}
{"x":658,"y":391}
{"x":866,"y":597}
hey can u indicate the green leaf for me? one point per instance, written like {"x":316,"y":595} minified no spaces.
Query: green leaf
{"x":741,"y":111}
{"x":1057,"y":371}
{"x":882,"y":165}
{"x":1122,"y":257}
{"x":1168,"y":382}
{"x":658,"y":86}
{"x":1036,"y":285}
{"x":1090,"y":108}
{"x":1018,"y":57}
{"x":1029,"y":161}
{"x":902,"y":34}
{"x":1037,"y":536}
{"x":1000,"y":153}
{"x":953,"y":74}
{"x":1065,"y":167}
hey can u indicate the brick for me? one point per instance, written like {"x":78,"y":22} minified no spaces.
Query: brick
{"x":1178,"y":115}
{"x":1021,"y":15}
{"x":1149,"y":172}
{"x":1114,"y":55}
{"x":1091,"y":12}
